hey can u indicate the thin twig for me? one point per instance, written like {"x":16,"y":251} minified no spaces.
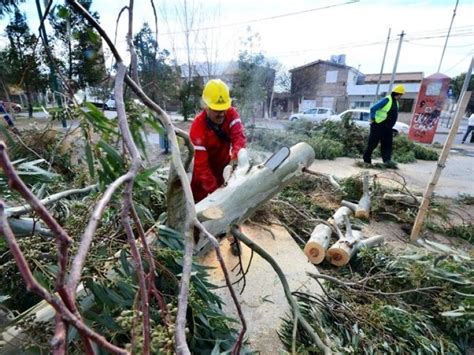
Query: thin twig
{"x":215,"y":244}
{"x":369,"y":290}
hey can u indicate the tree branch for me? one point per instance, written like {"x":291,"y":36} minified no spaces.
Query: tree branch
{"x":294,"y":305}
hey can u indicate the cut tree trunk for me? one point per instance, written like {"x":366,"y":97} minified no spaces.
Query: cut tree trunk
{"x":315,"y":248}
{"x":342,"y":251}
{"x":249,"y":187}
{"x":402,"y":198}
{"x":363,"y":208}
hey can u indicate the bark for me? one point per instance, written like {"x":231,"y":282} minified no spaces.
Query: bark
{"x":318,"y":243}
{"x":341,"y":252}
{"x":402,"y":198}
{"x":248,"y":188}
{"x":363,"y":208}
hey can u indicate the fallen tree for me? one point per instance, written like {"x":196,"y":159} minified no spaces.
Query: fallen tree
{"x":251,"y":186}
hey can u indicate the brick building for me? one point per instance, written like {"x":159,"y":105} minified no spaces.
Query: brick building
{"x":322,"y":84}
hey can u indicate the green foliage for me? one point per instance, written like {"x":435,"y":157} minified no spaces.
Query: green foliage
{"x":431,"y":322}
{"x":271,"y":140}
{"x":466,"y":199}
{"x":255,"y":79}
{"x":82,"y":58}
{"x":158,"y":79}
{"x":21,"y":60}
{"x":337,"y":139}
{"x":112,"y":313}
{"x":189,"y":96}
{"x":326,"y":148}
{"x":406,"y":151}
{"x":7,"y":6}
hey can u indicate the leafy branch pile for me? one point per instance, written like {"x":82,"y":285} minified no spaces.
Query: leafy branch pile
{"x":434,"y":316}
{"x":110,"y":279}
{"x":336,"y":139}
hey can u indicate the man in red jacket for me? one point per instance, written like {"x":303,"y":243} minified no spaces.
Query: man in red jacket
{"x":217,"y":134}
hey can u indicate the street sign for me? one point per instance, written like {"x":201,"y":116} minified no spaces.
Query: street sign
{"x":430,"y":102}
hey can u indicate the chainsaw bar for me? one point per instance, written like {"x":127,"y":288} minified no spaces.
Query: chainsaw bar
{"x":277,"y":159}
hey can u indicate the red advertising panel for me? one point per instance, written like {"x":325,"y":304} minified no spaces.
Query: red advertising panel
{"x":431,"y":98}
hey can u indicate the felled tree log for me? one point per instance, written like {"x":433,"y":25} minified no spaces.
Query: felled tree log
{"x":363,"y":208}
{"x":315,"y":248}
{"x":341,"y":252}
{"x":23,"y":227}
{"x":251,"y":186}
{"x":402,"y":198}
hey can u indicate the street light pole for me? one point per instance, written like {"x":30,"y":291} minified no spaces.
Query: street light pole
{"x":392,"y":79}
{"x":383,"y":63}
{"x":447,"y":36}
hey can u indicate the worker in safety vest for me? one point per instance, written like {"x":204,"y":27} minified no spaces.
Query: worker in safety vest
{"x":217,"y":134}
{"x":383,"y":115}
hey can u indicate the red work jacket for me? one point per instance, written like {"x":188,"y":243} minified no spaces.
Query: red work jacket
{"x":211,"y":153}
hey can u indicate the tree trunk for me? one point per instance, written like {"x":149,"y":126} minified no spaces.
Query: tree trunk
{"x":30,"y":103}
{"x":251,"y":186}
{"x":318,"y":243}
{"x":363,"y":208}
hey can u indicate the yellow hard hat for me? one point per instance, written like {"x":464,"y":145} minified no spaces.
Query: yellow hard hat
{"x":216,"y":95}
{"x":399,"y":89}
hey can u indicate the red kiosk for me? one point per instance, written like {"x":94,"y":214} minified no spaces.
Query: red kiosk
{"x":431,"y":98}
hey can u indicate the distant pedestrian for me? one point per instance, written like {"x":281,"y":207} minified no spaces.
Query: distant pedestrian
{"x":383,"y":116}
{"x":470,"y":128}
{"x":7,"y":118}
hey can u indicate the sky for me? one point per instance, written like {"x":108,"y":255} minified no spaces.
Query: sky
{"x":298,"y":32}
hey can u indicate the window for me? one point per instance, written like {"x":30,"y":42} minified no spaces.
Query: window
{"x":331,"y":76}
{"x":361,"y":104}
{"x":322,"y":111}
{"x":365,"y":116}
{"x":405,"y":105}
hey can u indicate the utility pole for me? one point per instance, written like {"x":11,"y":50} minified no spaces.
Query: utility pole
{"x":52,"y":72}
{"x":392,"y":79}
{"x":447,"y":36}
{"x":381,"y":69}
{"x":464,"y":97}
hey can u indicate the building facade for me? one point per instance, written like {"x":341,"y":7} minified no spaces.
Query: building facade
{"x":322,"y":84}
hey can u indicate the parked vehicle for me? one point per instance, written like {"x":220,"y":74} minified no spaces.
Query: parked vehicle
{"x":110,"y":103}
{"x":362,"y":119}
{"x":11,"y":106}
{"x":316,"y":114}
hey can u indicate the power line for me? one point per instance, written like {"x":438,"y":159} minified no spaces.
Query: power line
{"x":246,"y":22}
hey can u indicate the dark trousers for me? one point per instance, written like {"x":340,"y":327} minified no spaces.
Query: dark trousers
{"x":383,"y":134}
{"x":469,"y":129}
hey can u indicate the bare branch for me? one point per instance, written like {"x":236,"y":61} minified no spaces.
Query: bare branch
{"x":24,"y":209}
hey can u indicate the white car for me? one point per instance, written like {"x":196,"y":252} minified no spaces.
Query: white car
{"x":317,"y":114}
{"x":362,"y":119}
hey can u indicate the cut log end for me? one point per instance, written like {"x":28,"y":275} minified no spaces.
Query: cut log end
{"x":315,"y":252}
{"x":362,"y":214}
{"x":338,"y":256}
{"x":210,"y":214}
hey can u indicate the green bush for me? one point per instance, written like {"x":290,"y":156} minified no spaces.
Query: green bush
{"x":406,"y":151}
{"x":325,"y":148}
{"x":335,"y":139}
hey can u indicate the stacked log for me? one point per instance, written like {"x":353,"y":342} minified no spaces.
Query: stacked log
{"x":317,"y":248}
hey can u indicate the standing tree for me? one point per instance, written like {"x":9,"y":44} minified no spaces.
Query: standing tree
{"x":253,"y":86}
{"x":7,"y":6}
{"x":23,"y":60}
{"x":457,"y":83}
{"x":80,"y":45}
{"x":157,"y":77}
